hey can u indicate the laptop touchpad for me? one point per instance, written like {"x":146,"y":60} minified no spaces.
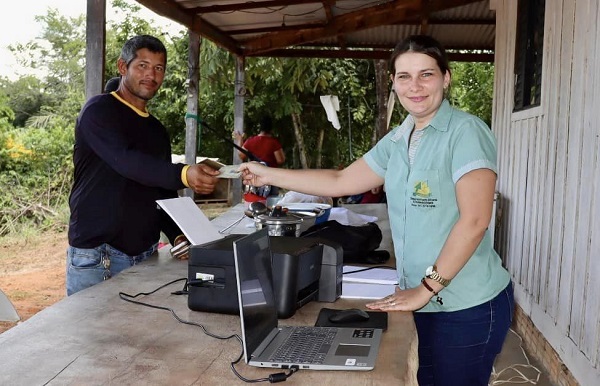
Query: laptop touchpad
{"x":353,"y":350}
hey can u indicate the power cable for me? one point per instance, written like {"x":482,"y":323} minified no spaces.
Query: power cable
{"x":272,"y":378}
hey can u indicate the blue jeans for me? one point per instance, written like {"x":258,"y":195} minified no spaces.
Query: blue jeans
{"x":86,"y":267}
{"x":458,"y":348}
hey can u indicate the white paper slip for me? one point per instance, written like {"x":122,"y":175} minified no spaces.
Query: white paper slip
{"x":373,"y":275}
{"x":351,"y":290}
{"x":229,"y":171}
{"x":191,"y":220}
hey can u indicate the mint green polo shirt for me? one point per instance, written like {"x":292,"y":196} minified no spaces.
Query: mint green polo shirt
{"x":422,"y":202}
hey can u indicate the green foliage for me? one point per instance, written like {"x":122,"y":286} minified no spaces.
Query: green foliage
{"x":472,"y":88}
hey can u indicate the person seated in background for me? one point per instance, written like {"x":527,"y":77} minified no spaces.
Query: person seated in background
{"x":265,"y":146}
{"x":373,"y":196}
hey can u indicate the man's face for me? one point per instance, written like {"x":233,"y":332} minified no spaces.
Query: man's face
{"x":144,"y":75}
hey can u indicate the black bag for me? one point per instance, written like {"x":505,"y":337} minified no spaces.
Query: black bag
{"x":359,"y":242}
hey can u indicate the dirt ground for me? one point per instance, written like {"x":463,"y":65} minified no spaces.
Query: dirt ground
{"x":32,"y":269}
{"x":32,"y":273}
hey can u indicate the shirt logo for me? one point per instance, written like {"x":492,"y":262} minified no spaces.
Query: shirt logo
{"x":422,"y":196}
{"x":422,"y":189}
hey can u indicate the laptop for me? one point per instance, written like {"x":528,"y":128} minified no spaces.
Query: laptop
{"x":268,"y":345}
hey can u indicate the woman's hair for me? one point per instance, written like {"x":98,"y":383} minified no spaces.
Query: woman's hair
{"x":136,"y":43}
{"x":422,"y":44}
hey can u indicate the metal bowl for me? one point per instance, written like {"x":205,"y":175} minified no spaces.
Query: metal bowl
{"x":279,"y":226}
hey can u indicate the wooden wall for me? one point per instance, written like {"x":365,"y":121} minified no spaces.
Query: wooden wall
{"x":549,"y":181}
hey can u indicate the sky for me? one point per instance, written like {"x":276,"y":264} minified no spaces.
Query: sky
{"x":19,"y":26}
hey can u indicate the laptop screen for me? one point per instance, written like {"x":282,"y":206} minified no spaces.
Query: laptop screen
{"x":255,"y":278}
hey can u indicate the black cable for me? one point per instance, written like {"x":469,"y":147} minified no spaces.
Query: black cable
{"x":273,"y":378}
{"x":251,"y":156}
{"x":128,"y":298}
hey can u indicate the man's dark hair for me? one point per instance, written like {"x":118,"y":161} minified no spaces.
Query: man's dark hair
{"x":136,"y":43}
{"x":112,"y":84}
{"x":266,"y":124}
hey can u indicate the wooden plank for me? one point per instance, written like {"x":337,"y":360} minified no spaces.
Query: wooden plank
{"x":536,"y":208}
{"x":550,"y":96}
{"x":563,"y":179}
{"x":562,"y":45}
{"x":587,"y":268}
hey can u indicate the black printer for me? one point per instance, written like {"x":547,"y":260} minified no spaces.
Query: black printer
{"x":301,"y":267}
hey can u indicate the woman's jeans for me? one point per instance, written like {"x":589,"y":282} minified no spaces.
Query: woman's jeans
{"x":86,"y":267}
{"x":458,"y":348}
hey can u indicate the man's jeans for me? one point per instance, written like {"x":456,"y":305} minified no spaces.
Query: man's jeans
{"x":458,"y":348}
{"x":86,"y":267}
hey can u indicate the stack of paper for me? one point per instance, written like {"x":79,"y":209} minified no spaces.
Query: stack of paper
{"x":374,"y":283}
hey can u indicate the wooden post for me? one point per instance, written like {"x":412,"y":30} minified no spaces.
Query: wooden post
{"x":95,"y":40}
{"x":191,"y":124}
{"x":238,"y":123}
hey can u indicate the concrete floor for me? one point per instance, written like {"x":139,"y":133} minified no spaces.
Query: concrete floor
{"x":513,"y":366}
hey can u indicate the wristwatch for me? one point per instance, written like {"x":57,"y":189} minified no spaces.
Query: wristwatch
{"x":432,"y":273}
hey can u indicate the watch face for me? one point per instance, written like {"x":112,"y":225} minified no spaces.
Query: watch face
{"x":429,"y":270}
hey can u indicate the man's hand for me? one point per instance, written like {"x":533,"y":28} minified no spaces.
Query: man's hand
{"x":181,"y":249}
{"x":202,"y":178}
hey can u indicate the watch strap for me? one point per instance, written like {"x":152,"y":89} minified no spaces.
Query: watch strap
{"x":434,"y":275}
{"x":438,"y":297}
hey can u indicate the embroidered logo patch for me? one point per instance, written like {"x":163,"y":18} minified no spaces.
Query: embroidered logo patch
{"x":422,"y":196}
{"x":422,"y":189}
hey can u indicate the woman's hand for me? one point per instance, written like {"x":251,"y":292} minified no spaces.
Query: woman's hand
{"x":254,"y":173}
{"x":403,"y":300}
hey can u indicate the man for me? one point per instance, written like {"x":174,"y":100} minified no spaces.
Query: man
{"x":122,"y":158}
{"x":265,"y":146}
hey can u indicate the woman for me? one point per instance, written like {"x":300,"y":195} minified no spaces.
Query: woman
{"x":439,"y":172}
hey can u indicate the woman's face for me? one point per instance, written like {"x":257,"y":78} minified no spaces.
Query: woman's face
{"x":419,"y":84}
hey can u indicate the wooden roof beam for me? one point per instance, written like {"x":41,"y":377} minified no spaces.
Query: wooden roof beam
{"x":368,"y":54}
{"x":249,"y":5}
{"x":414,"y":21}
{"x":171,"y":10}
{"x":327,"y":4}
{"x":388,"y":13}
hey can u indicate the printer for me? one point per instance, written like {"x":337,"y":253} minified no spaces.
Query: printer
{"x":304,"y":269}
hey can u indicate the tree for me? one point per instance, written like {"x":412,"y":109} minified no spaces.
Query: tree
{"x":472,"y":88}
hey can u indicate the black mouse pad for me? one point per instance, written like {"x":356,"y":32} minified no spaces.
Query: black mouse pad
{"x":377,"y":319}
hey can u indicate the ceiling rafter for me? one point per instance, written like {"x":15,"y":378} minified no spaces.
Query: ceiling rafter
{"x":392,"y":12}
{"x":335,"y":28}
{"x":250,"y":5}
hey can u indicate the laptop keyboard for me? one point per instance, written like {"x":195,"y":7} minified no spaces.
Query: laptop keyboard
{"x":305,"y":345}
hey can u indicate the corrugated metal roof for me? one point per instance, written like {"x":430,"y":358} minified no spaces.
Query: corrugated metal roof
{"x":332,"y":28}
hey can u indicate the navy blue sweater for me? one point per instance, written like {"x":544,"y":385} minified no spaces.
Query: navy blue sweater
{"x":122,"y":159}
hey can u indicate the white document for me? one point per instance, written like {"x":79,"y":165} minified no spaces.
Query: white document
{"x":191,"y":220}
{"x":373,"y":275}
{"x":347,"y":217}
{"x":351,"y":290}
